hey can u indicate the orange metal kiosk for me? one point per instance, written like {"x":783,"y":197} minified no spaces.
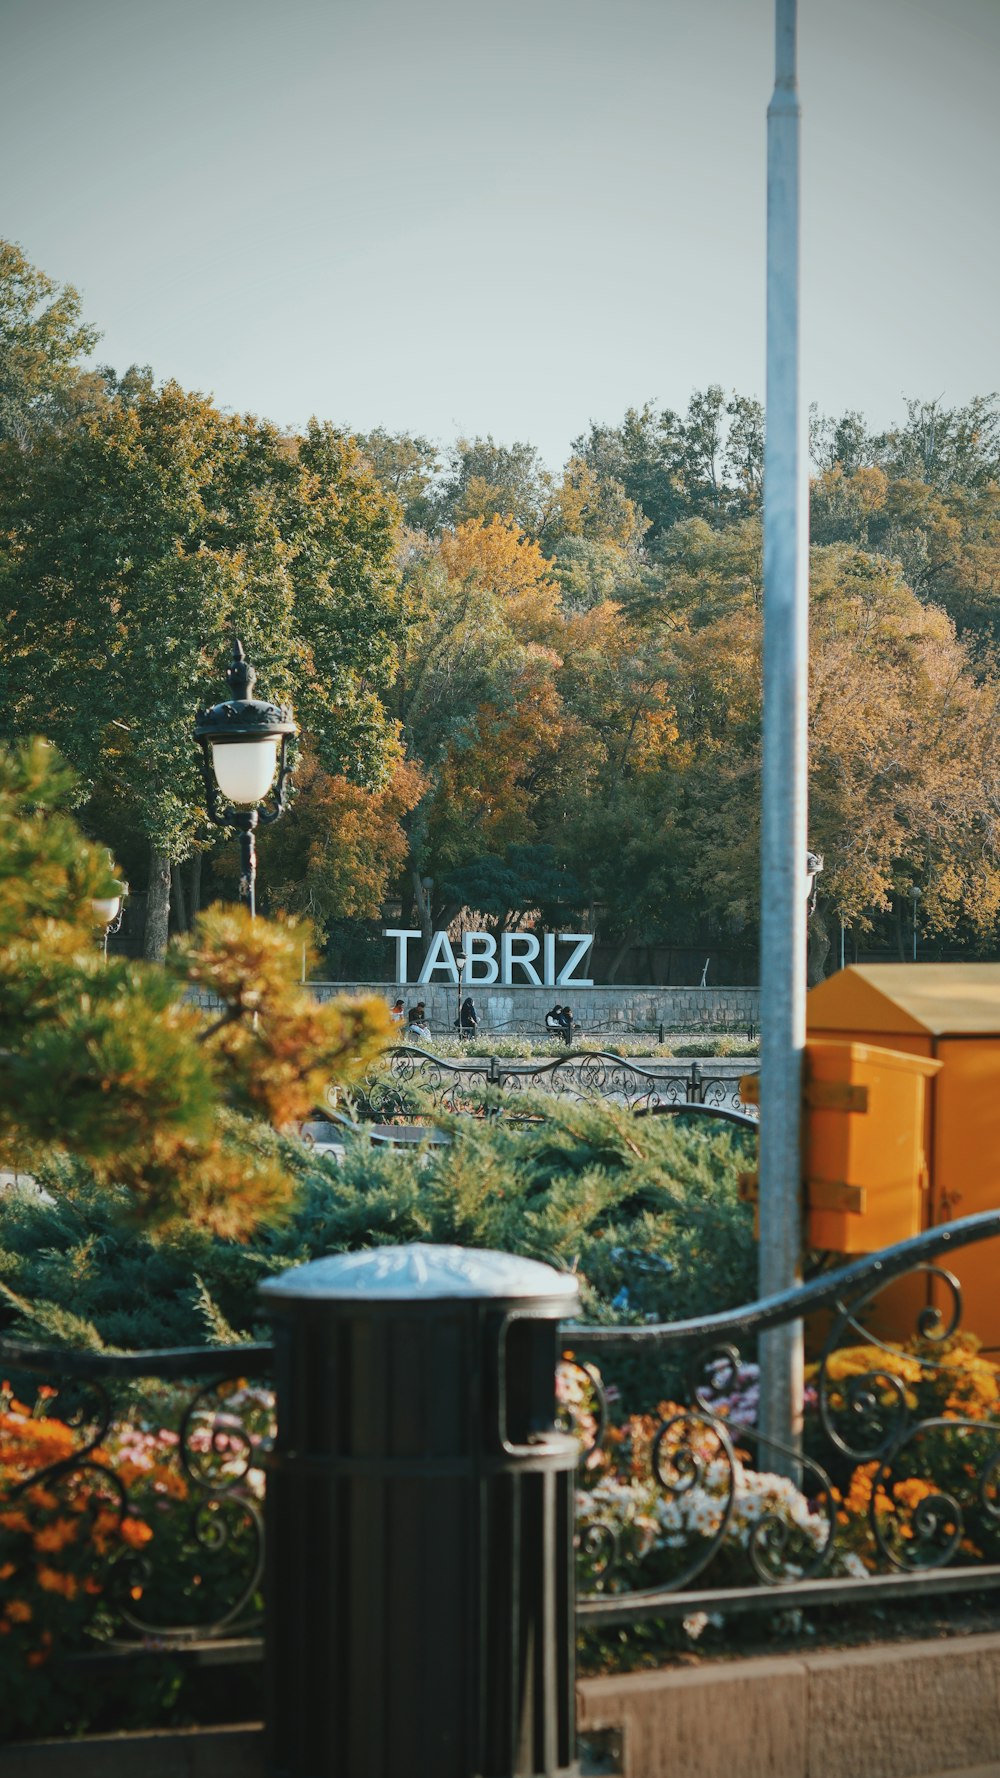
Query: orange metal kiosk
{"x":950,"y":1013}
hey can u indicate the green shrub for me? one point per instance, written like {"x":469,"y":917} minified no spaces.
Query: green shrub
{"x":646,"y":1211}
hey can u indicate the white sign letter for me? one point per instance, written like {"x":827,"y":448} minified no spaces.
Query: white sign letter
{"x":583,"y":942}
{"x":480,"y":947}
{"x":549,"y":957}
{"x":528,"y":948}
{"x":402,"y":935}
{"x":439,"y":956}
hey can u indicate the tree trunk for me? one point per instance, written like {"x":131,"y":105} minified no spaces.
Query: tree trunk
{"x":423,"y":906}
{"x":195,"y":908}
{"x":154,"y":944}
{"x":177,"y":892}
{"x":818,"y":945}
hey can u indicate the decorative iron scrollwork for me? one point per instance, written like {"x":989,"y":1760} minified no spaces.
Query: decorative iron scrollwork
{"x":895,"y":1475}
{"x":166,"y":1476}
{"x":409,"y":1082}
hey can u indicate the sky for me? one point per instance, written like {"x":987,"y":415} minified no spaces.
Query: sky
{"x":512,"y":217}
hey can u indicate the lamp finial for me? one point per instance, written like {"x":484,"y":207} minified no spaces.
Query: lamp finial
{"x":239,"y":674}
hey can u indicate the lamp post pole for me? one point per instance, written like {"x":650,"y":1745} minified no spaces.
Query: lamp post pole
{"x":240,"y":742}
{"x":785,"y":764}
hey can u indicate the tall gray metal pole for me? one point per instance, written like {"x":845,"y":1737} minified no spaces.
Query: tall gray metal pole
{"x":785,"y":761}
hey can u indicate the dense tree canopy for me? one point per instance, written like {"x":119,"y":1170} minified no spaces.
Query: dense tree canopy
{"x":535,"y":688}
{"x":137,"y":541}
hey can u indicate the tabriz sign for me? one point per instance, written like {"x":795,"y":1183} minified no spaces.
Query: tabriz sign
{"x":477,"y":960}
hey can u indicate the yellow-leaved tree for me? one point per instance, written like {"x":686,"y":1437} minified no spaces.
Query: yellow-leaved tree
{"x":155,"y":1077}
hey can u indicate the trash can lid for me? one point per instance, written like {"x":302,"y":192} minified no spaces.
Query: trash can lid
{"x":422,"y":1270}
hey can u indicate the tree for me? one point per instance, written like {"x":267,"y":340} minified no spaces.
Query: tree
{"x":408,"y":467}
{"x":591,"y":573}
{"x":336,"y":852}
{"x":112,"y":1063}
{"x":593,"y":507}
{"x":944,"y":447}
{"x":646,"y":456}
{"x":137,"y":543}
{"x":903,"y":762}
{"x":486,"y":480}
{"x":490,"y":780}
{"x":708,"y":464}
{"x":475,"y":685}
{"x":520,"y":882}
{"x":41,"y":340}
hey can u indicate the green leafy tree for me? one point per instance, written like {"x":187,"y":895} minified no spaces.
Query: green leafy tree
{"x":136,"y":544}
{"x":408,"y":467}
{"x":486,"y":480}
{"x":646,"y":456}
{"x":42,"y":339}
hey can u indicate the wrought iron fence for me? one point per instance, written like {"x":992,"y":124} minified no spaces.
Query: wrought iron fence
{"x":408,"y":1082}
{"x":148,"y":1467}
{"x":138,"y":1480}
{"x":896,"y":1489}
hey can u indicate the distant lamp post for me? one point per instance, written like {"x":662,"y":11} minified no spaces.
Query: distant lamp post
{"x":915,"y":892}
{"x":814,"y":864}
{"x":244,"y":753}
{"x":109,"y":911}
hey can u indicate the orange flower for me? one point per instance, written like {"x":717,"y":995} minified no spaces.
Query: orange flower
{"x":912,"y":1491}
{"x":6,"y":1570}
{"x":52,"y":1581}
{"x":15,"y":1521}
{"x":18,"y":1611}
{"x":55,"y":1536}
{"x":105,"y":1528}
{"x":44,"y":1498}
{"x":135,"y":1533}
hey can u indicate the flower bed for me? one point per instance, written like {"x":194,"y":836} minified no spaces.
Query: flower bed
{"x":149,"y":1530}
{"x":900,"y":1468}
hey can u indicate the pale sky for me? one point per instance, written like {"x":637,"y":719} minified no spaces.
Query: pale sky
{"x":505,"y":216}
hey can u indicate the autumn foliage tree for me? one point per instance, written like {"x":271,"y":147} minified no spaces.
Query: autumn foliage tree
{"x":500,"y":666}
{"x":116,"y":1063}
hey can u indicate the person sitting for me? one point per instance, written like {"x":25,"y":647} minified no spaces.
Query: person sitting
{"x":417,"y":1028}
{"x":553,"y":1022}
{"x":397,"y":1015}
{"x":566,"y":1021}
{"x":467,"y":1020}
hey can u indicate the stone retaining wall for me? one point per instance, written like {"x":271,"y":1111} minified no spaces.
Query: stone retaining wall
{"x":618,"y":1009}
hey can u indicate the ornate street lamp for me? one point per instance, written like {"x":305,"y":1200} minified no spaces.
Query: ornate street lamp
{"x":109,"y":912}
{"x":239,"y":757}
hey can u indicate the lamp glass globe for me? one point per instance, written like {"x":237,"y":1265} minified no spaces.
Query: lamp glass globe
{"x":245,"y":769}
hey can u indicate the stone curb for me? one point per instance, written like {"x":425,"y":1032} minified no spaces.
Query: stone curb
{"x":904,"y":1710}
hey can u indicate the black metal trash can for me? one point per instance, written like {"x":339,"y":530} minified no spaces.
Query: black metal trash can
{"x":419,"y":1585}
